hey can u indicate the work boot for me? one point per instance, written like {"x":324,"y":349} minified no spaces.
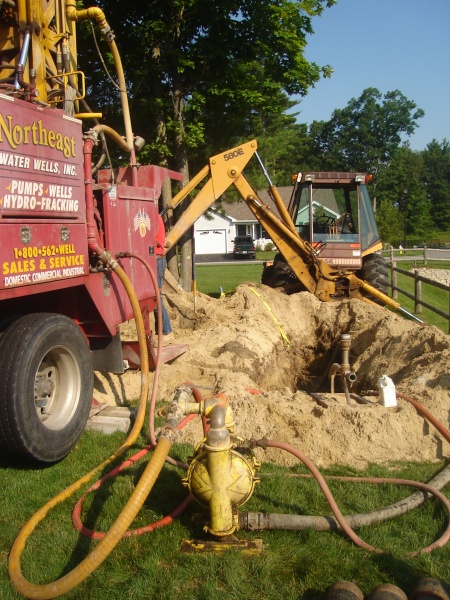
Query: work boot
{"x":167,"y":339}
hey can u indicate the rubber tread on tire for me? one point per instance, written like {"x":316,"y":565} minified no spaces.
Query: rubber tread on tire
{"x":375,"y":273}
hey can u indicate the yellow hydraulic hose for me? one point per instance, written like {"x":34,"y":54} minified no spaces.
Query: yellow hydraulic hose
{"x":114,"y":135}
{"x":98,"y":555}
{"x":98,"y":15}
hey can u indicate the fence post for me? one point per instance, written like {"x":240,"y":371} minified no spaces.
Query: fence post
{"x":417,"y":293}
{"x":425,"y":257}
{"x":394,"y":280}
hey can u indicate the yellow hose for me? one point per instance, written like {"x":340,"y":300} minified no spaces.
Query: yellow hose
{"x":130,"y":510}
{"x":114,"y":135}
{"x":98,"y":15}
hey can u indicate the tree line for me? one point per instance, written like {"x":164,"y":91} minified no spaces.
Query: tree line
{"x":204,"y":77}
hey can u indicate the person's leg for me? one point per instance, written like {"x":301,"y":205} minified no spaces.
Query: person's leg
{"x":166,"y":324}
{"x":161,"y":267}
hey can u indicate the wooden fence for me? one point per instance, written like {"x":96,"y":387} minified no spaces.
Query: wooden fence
{"x":418,"y":281}
{"x":422,"y":254}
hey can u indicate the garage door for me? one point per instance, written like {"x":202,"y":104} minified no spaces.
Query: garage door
{"x":210,"y":241}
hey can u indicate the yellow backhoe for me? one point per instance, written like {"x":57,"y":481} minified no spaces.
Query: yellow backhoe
{"x":324,"y":251}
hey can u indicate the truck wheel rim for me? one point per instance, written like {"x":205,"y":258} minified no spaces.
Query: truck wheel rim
{"x":57,"y":388}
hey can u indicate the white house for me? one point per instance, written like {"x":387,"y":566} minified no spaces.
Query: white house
{"x":214,"y":232}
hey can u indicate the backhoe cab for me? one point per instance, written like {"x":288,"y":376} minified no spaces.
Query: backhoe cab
{"x":333,"y":213}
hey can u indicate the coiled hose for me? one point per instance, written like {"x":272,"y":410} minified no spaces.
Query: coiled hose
{"x":130,"y":510}
{"x":343,"y":522}
{"x":257,"y":521}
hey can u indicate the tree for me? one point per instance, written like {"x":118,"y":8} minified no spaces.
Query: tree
{"x":198,"y":72}
{"x":282,"y":142}
{"x":404,"y":204}
{"x":436,"y":176}
{"x":389,"y":221}
{"x":365,"y":134}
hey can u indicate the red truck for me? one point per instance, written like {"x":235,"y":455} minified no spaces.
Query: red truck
{"x":61,"y":230}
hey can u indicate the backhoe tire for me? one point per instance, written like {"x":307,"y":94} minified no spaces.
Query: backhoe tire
{"x":46,"y":384}
{"x":280,"y":275}
{"x":375,"y":273}
{"x":267,"y":277}
{"x":283,"y":274}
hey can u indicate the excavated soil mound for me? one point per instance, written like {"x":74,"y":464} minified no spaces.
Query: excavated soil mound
{"x":236,"y":345}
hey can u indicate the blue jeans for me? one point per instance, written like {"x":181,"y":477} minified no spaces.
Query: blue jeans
{"x":160,"y":269}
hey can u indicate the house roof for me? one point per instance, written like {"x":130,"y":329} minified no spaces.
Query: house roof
{"x":239,"y":211}
{"x":326,"y":198}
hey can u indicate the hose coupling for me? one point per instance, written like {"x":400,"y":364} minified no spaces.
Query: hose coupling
{"x":112,"y":263}
{"x":92,"y":135}
{"x":250,"y":444}
{"x":108,"y":34}
{"x":262,"y":443}
{"x":175,"y":414}
{"x":169,"y":433}
{"x":182,"y":399}
{"x":173,"y":419}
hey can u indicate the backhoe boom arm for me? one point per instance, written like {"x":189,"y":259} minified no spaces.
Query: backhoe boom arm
{"x":226,"y":169}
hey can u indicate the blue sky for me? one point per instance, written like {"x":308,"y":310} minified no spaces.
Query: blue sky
{"x":389,"y":45}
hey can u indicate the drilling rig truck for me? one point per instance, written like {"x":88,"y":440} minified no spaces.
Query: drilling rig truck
{"x":63,"y":221}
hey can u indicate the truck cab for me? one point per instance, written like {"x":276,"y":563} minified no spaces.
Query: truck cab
{"x":244,"y":247}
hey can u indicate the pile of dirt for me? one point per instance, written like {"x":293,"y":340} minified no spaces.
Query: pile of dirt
{"x":268,"y":351}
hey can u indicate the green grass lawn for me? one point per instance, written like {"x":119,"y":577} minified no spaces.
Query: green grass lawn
{"x":292,"y":566}
{"x":211,"y":278}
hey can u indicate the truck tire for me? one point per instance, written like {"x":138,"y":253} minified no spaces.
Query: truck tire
{"x":46,"y":384}
{"x":375,"y":272}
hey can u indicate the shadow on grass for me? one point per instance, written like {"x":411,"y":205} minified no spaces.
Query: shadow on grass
{"x":20,"y":463}
{"x":166,"y":495}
